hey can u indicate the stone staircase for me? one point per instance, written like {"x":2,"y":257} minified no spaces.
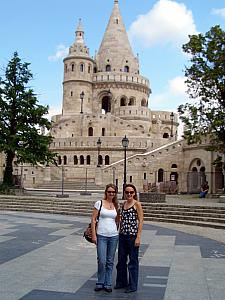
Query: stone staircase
{"x":56,"y":185}
{"x":198,"y":215}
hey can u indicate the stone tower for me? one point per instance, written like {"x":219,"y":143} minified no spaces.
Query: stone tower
{"x":78,"y":70}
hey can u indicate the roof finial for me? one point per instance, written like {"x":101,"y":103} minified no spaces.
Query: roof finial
{"x":116,"y":1}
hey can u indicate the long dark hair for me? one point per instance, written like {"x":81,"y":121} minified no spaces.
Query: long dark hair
{"x":114,"y":200}
{"x":134,"y":188}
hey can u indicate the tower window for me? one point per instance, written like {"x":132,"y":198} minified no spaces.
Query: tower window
{"x":126,"y":69}
{"x":72,"y":67}
{"x":108,"y":68}
{"x":82,"y":67}
{"x":90,"y":131}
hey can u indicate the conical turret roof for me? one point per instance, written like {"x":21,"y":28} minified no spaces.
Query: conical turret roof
{"x":115,"y":50}
{"x":79,"y":48}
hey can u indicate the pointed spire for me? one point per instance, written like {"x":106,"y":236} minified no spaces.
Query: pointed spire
{"x":116,"y":41}
{"x":80,"y":33}
{"x":79,"y":48}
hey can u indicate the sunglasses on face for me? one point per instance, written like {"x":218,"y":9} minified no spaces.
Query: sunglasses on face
{"x":129,"y":192}
{"x":111,"y":192}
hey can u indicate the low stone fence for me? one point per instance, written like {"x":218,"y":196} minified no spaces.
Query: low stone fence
{"x":152,"y":197}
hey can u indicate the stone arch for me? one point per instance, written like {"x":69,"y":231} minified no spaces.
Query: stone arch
{"x":160,"y":175}
{"x":123,"y":101}
{"x":90,"y":131}
{"x":143,"y":102}
{"x":108,"y":68}
{"x":106,"y":103}
{"x":131,"y":101}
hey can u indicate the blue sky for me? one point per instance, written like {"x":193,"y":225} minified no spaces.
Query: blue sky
{"x":41,"y":31}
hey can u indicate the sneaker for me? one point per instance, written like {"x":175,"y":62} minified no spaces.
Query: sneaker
{"x":108,"y":290}
{"x":129,"y":290}
{"x":98,"y":288}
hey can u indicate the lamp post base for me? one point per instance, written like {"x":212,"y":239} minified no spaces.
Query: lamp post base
{"x":62,"y":196}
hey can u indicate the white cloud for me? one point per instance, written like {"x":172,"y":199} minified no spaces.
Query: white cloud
{"x":61,"y":52}
{"x":173,"y":94}
{"x":168,"y":22}
{"x":219,"y":11}
{"x":54,"y":110}
{"x":177,"y":86}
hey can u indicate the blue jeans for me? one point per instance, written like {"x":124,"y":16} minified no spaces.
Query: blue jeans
{"x":106,"y":248}
{"x":127,"y":249}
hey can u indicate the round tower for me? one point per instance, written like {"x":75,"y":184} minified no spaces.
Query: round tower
{"x":78,"y":72}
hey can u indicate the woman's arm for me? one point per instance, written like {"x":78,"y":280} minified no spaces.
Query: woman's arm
{"x":140,"y":223}
{"x":93,"y":225}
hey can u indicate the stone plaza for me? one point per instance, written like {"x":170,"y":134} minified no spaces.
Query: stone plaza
{"x":45,"y":257}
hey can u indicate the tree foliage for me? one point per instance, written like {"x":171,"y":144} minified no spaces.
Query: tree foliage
{"x":205,"y":78}
{"x":21,"y":120}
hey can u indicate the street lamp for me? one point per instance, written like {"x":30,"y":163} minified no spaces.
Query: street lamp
{"x":125,"y":143}
{"x":99,"y":142}
{"x":171,"y":119}
{"x":81,"y":99}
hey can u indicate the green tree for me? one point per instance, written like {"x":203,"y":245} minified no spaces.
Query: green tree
{"x":21,"y":120}
{"x":205,"y":78}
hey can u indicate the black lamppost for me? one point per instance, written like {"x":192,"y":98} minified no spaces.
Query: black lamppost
{"x":99,"y":142}
{"x":125,"y":143}
{"x":81,"y":99}
{"x":171,"y":119}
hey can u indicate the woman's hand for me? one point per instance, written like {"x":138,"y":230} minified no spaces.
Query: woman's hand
{"x":137,"y":242}
{"x":94,"y":239}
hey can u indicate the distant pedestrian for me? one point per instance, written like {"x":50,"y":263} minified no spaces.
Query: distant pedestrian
{"x":129,"y":241}
{"x":204,"y":190}
{"x":106,"y":236}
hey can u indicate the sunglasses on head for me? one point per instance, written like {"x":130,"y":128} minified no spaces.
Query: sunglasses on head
{"x":111,"y":192}
{"x":129,"y":192}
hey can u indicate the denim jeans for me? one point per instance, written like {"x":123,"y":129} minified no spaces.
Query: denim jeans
{"x":106,"y":248}
{"x":127,"y":249}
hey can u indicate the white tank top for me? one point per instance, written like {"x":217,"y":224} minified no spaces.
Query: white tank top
{"x":106,"y":224}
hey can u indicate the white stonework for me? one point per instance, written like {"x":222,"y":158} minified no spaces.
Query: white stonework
{"x":116,"y":103}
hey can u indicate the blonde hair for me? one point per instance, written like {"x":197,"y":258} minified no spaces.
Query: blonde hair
{"x":114,"y":200}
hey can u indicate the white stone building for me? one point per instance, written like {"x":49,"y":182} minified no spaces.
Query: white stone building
{"x":106,"y":97}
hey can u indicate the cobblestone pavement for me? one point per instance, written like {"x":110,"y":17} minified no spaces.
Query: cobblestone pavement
{"x":44,"y":257}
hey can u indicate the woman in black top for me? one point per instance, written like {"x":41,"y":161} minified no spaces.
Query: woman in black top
{"x":129,"y":241}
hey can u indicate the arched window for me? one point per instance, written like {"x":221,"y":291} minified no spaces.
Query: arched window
{"x":100,"y":159}
{"x":59,"y":160}
{"x":82,"y":67}
{"x":88,"y":160}
{"x":143,"y":102}
{"x":126,"y":69}
{"x":123,"y":102}
{"x":81,"y":160}
{"x":160,"y":175}
{"x":165,"y":135}
{"x":131,"y":102}
{"x":64,"y":160}
{"x":174,"y":166}
{"x":108,"y":68}
{"x":90,"y":131}
{"x":75,"y":160}
{"x":103,"y":131}
{"x":66,"y":68}
{"x":89,"y":69}
{"x":106,"y":160}
{"x":95,"y":70}
{"x":72,"y":67}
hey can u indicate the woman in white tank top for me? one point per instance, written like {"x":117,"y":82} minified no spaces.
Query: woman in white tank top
{"x":106,"y":236}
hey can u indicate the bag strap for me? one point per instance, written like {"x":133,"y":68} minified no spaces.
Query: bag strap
{"x":99,"y":211}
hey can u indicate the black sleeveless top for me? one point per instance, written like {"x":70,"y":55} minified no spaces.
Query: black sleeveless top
{"x":129,"y":221}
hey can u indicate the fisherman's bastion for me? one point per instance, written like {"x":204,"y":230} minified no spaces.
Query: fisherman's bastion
{"x":106,"y":99}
